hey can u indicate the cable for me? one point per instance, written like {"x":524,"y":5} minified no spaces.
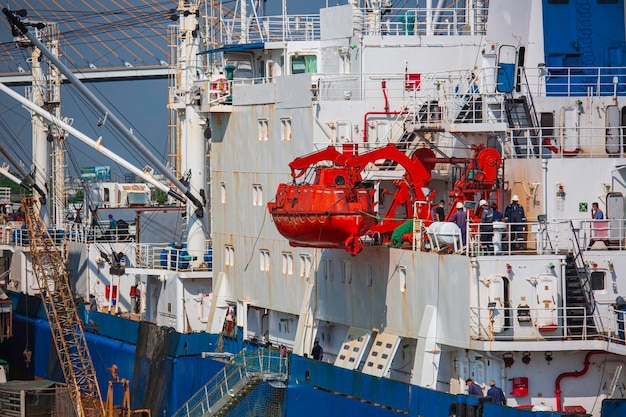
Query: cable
{"x":258,"y":236}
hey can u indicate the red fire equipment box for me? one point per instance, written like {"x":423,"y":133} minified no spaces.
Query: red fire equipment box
{"x":520,"y":387}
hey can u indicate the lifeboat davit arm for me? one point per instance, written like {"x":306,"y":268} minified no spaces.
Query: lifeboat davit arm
{"x":300,"y":165}
{"x":417,"y":175}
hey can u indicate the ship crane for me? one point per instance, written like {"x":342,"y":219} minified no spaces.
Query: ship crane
{"x":66,"y":327}
{"x":67,"y":331}
{"x":336,"y":209}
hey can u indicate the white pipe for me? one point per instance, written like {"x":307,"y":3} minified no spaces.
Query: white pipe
{"x":84,"y":138}
{"x":5,"y":171}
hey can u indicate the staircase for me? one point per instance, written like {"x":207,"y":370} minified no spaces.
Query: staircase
{"x":520,"y":119}
{"x":581,"y":315}
{"x":577,"y":306}
{"x":471,"y":112}
{"x":404,"y":145}
{"x":240,"y":377}
{"x":238,"y":392}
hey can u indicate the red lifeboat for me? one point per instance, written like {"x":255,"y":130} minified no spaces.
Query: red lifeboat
{"x":333,"y":212}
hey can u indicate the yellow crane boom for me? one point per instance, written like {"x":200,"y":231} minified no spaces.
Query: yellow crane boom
{"x":65,"y":324}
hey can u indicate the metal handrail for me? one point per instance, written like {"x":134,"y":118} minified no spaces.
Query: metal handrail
{"x":244,"y":367}
{"x":482,"y":324}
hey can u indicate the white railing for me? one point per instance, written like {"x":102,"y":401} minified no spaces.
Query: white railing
{"x":451,"y":21}
{"x":523,"y":323}
{"x":271,"y":29}
{"x":173,"y":257}
{"x":576,"y":81}
{"x":544,"y":237}
{"x":5,"y":195}
{"x":262,"y":364}
{"x":100,"y":232}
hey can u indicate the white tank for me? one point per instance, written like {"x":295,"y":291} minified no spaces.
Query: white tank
{"x":444,"y":233}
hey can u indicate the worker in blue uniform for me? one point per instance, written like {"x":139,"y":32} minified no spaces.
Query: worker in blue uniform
{"x":514,"y":214}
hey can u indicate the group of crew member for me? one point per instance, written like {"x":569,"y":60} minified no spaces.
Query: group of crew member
{"x":495,"y":393}
{"x":513,"y":214}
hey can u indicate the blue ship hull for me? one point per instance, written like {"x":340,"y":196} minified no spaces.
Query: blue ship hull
{"x":151,"y":357}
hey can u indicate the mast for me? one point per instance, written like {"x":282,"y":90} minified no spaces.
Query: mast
{"x":191,"y":126}
{"x":58,"y":135}
{"x":41,"y":167}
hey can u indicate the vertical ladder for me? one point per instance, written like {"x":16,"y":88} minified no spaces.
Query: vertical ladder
{"x":614,"y":381}
{"x":585,"y":31}
{"x":65,"y":325}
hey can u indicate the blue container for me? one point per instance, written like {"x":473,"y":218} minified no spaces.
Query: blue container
{"x":208,"y":258}
{"x":20,"y":236}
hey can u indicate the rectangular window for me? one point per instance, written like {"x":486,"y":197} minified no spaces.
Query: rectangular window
{"x":346,"y":271}
{"x":223,"y":192}
{"x":597,"y":280}
{"x":301,"y":64}
{"x":264,"y":260}
{"x":327,"y":265}
{"x":402,"y":272}
{"x":257,"y":195}
{"x":263,"y":128}
{"x":305,"y":266}
{"x":287,"y":263}
{"x":285,"y":128}
{"x":229,"y":255}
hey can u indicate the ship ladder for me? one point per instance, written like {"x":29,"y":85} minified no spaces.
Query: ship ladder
{"x":614,"y":381}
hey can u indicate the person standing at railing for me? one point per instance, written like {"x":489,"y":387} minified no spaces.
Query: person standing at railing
{"x":439,"y":212}
{"x":473,"y":388}
{"x":496,"y":393}
{"x":514,"y":214}
{"x":497,"y":215}
{"x":112,"y":227}
{"x":596,"y":213}
{"x":598,"y":231}
{"x":619,"y":307}
{"x":486,"y":225}
{"x":460,"y":219}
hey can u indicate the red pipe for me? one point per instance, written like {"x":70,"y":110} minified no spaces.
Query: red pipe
{"x":392,"y":113}
{"x":546,"y":144}
{"x":575,"y":374}
{"x":384,"y":87}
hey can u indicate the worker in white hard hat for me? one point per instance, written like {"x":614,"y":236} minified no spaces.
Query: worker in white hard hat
{"x":460,"y":219}
{"x":486,"y":226}
{"x":514,"y":214}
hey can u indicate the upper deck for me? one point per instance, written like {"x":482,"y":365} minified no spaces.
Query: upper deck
{"x":455,"y":20}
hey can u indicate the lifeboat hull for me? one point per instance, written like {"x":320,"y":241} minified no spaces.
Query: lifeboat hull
{"x":322,"y":217}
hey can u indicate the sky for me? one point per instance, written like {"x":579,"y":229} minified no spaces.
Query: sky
{"x":143,"y":103}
